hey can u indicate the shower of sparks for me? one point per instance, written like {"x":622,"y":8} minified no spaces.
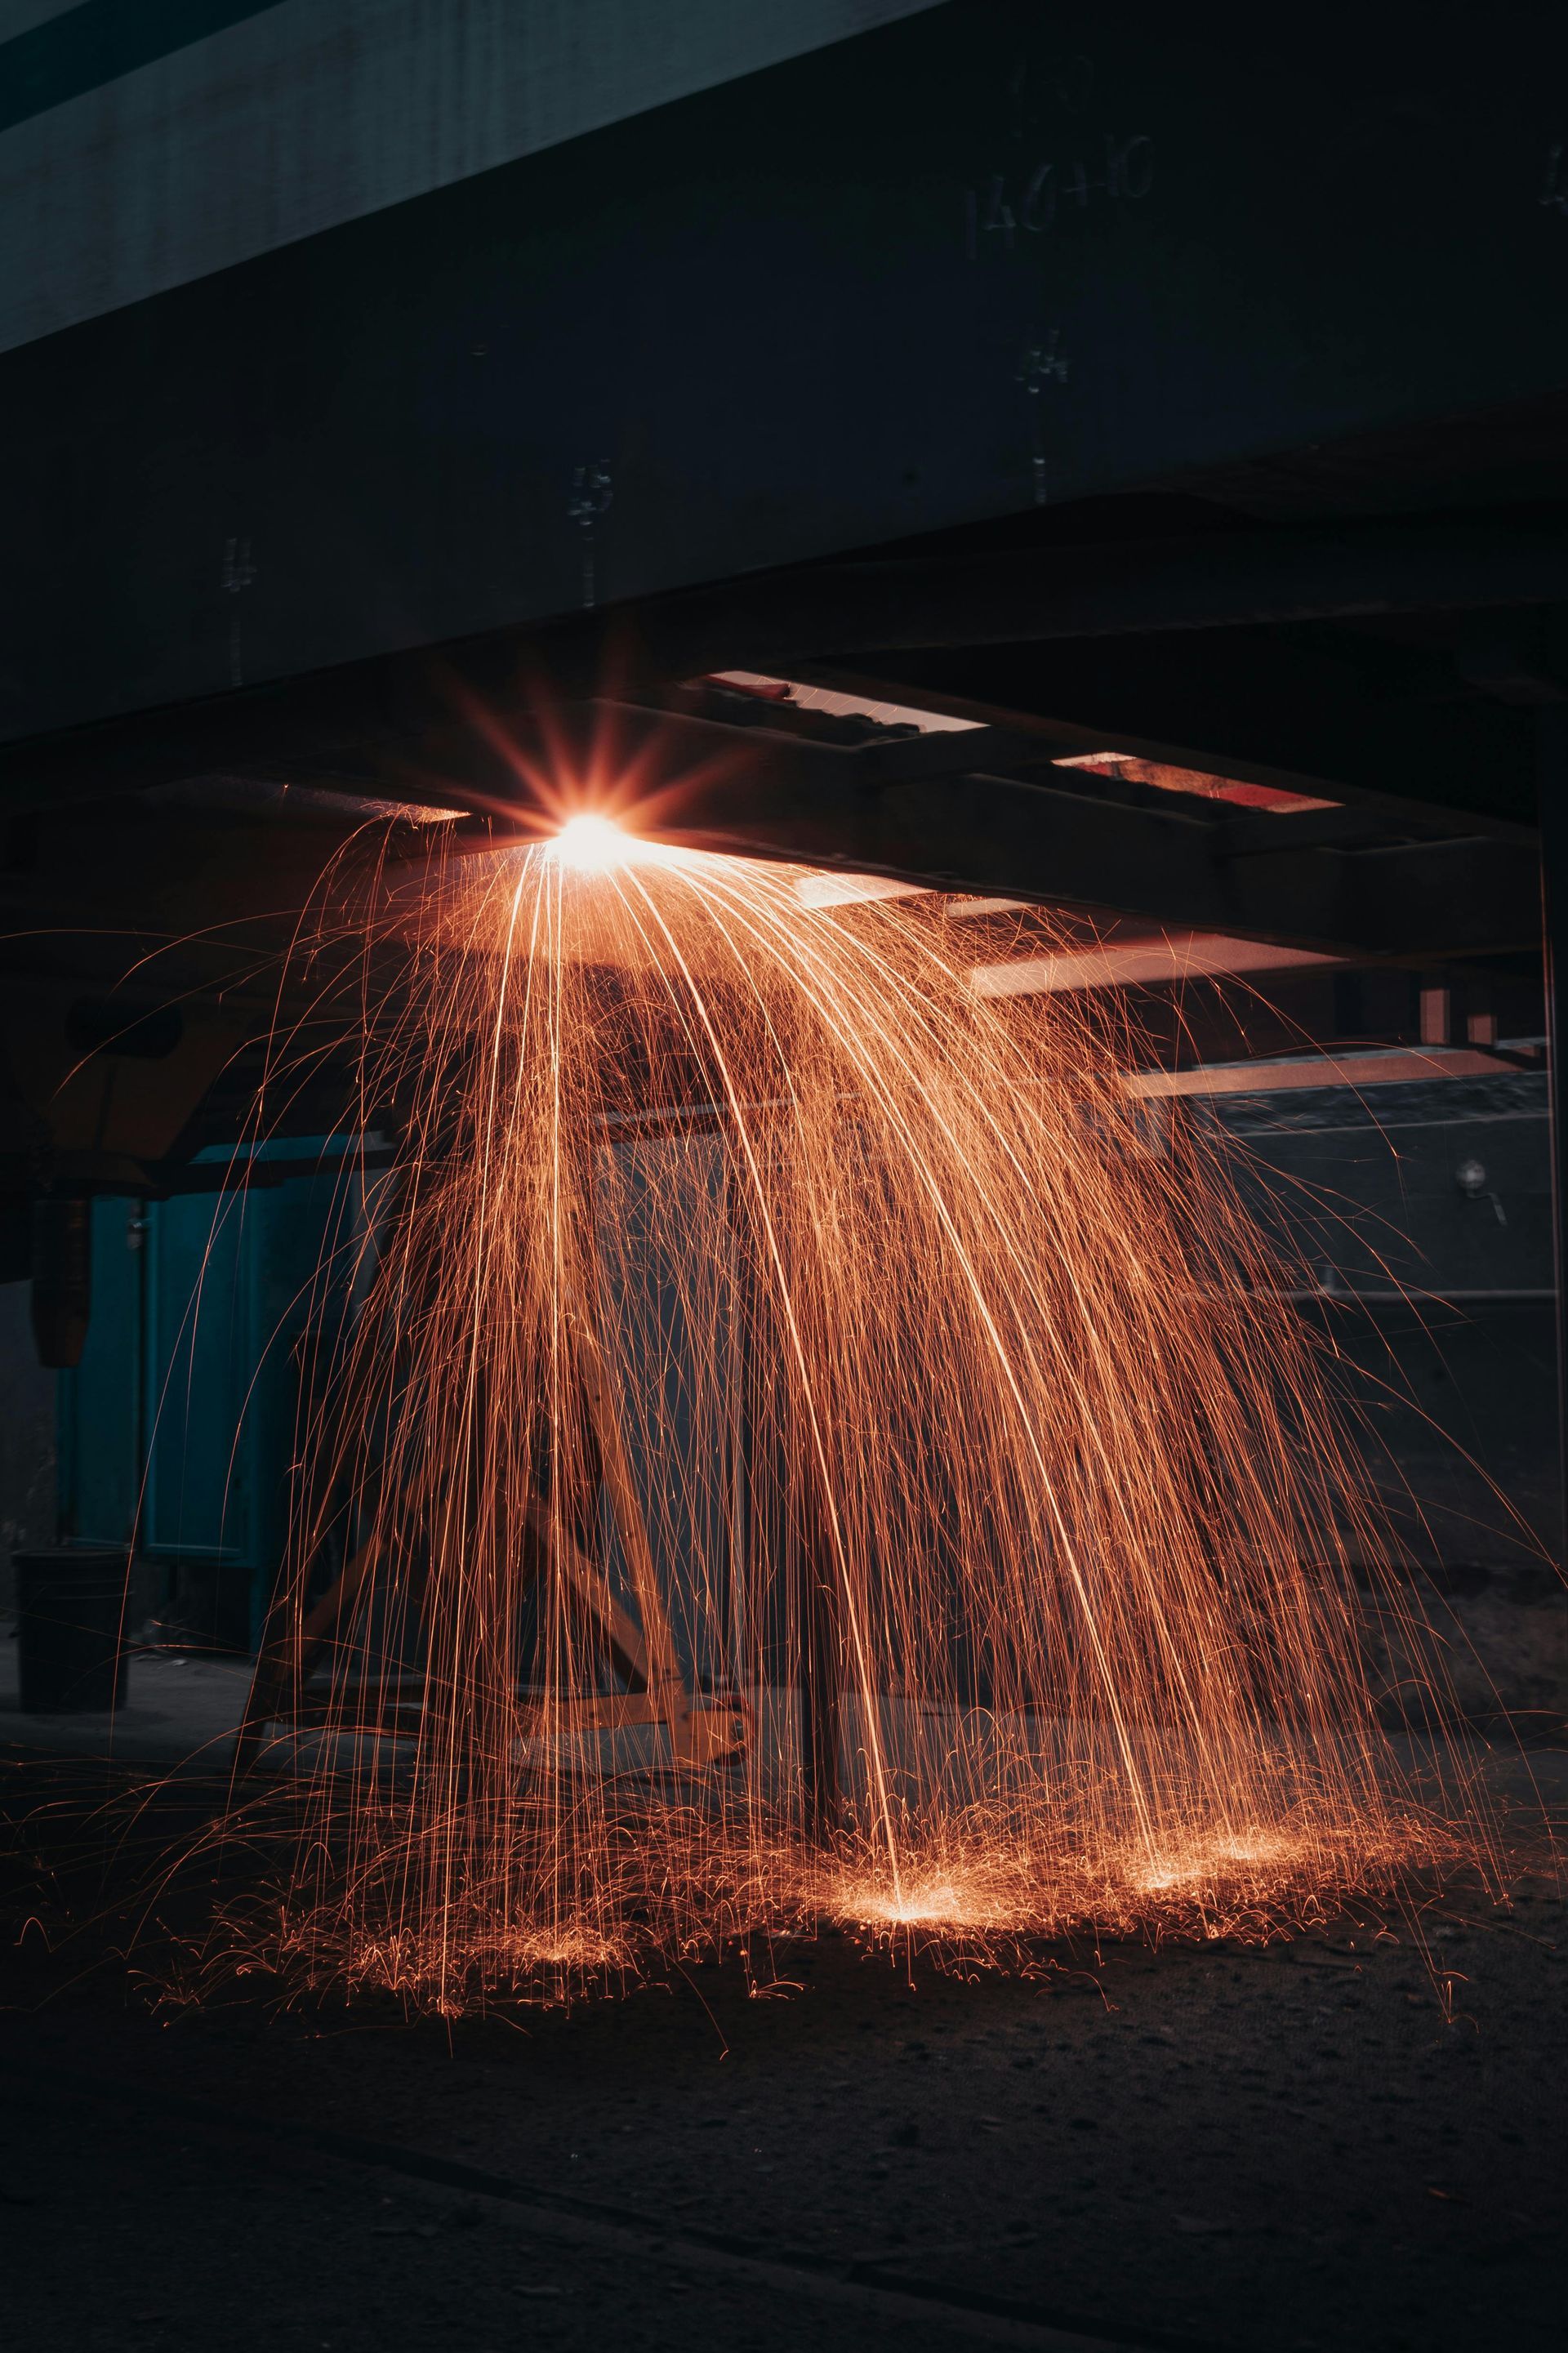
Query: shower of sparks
{"x":811,"y":1453}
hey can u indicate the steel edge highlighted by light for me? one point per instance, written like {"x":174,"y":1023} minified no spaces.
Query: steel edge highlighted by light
{"x":1176,"y":956}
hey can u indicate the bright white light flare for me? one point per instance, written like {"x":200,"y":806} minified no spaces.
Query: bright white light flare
{"x":593,"y":845}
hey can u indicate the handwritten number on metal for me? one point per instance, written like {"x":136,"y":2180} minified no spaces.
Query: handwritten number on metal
{"x":1129,"y":166}
{"x":1040,"y":200}
{"x":1033,"y":202}
{"x":999,"y":213}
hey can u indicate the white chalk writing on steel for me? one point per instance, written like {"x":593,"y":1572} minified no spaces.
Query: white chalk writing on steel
{"x":1029,"y":203}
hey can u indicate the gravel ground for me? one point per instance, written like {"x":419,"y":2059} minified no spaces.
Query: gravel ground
{"x":1307,"y":2146}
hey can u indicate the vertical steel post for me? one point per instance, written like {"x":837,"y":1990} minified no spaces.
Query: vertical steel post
{"x":1552,"y":779}
{"x":821,"y":1682}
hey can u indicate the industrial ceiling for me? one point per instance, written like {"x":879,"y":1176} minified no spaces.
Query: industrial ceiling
{"x":1119,"y":385}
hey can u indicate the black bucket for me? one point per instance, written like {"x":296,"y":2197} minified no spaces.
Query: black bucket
{"x":70,"y":1611}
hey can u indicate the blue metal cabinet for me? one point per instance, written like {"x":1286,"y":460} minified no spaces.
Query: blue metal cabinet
{"x":178,"y":1429}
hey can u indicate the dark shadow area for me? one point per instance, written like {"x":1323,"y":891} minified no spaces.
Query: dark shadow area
{"x":1348,"y":2141}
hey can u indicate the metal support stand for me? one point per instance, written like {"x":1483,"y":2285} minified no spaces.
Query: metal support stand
{"x":290,"y":1651}
{"x":821,"y":1692}
{"x":1552,"y":777}
{"x":703,"y":1729}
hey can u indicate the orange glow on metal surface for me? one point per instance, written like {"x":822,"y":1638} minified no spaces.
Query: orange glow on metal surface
{"x":1377,"y":1066}
{"x":1140,"y":963}
{"x":756,"y":1309}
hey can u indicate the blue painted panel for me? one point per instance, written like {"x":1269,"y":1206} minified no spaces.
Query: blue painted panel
{"x":201,"y":1348}
{"x":100,"y":1403}
{"x":179,"y":1428}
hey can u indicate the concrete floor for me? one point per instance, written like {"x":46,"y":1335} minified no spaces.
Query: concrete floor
{"x":178,"y":1706}
{"x":1226,"y":2147}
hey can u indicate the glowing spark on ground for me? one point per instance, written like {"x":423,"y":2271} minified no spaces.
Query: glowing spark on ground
{"x":1207,"y":1860}
{"x":939,"y":1903}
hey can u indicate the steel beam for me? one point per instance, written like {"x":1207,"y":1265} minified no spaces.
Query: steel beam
{"x":1070,"y":837}
{"x":1223,"y":578}
{"x":394,"y":722}
{"x":981,"y":810}
{"x":706,"y":342}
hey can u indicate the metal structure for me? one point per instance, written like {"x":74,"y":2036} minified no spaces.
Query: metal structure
{"x":702,"y":1728}
{"x":1119,"y":386}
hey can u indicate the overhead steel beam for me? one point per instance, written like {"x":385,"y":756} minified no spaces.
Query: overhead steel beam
{"x":393,"y":723}
{"x":983,"y":810}
{"x":1064,"y":836}
{"x":1223,"y":578}
{"x":986,"y":810}
{"x":1344,"y":712}
{"x":1024,"y":258}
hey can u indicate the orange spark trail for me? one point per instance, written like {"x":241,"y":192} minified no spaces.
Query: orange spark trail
{"x":764,"y":1330}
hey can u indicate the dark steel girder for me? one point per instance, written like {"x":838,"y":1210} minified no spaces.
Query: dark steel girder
{"x":986,"y":810}
{"x":1220,"y":578}
{"x":980,"y":809}
{"x":1087,"y":843}
{"x":358,"y":721}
